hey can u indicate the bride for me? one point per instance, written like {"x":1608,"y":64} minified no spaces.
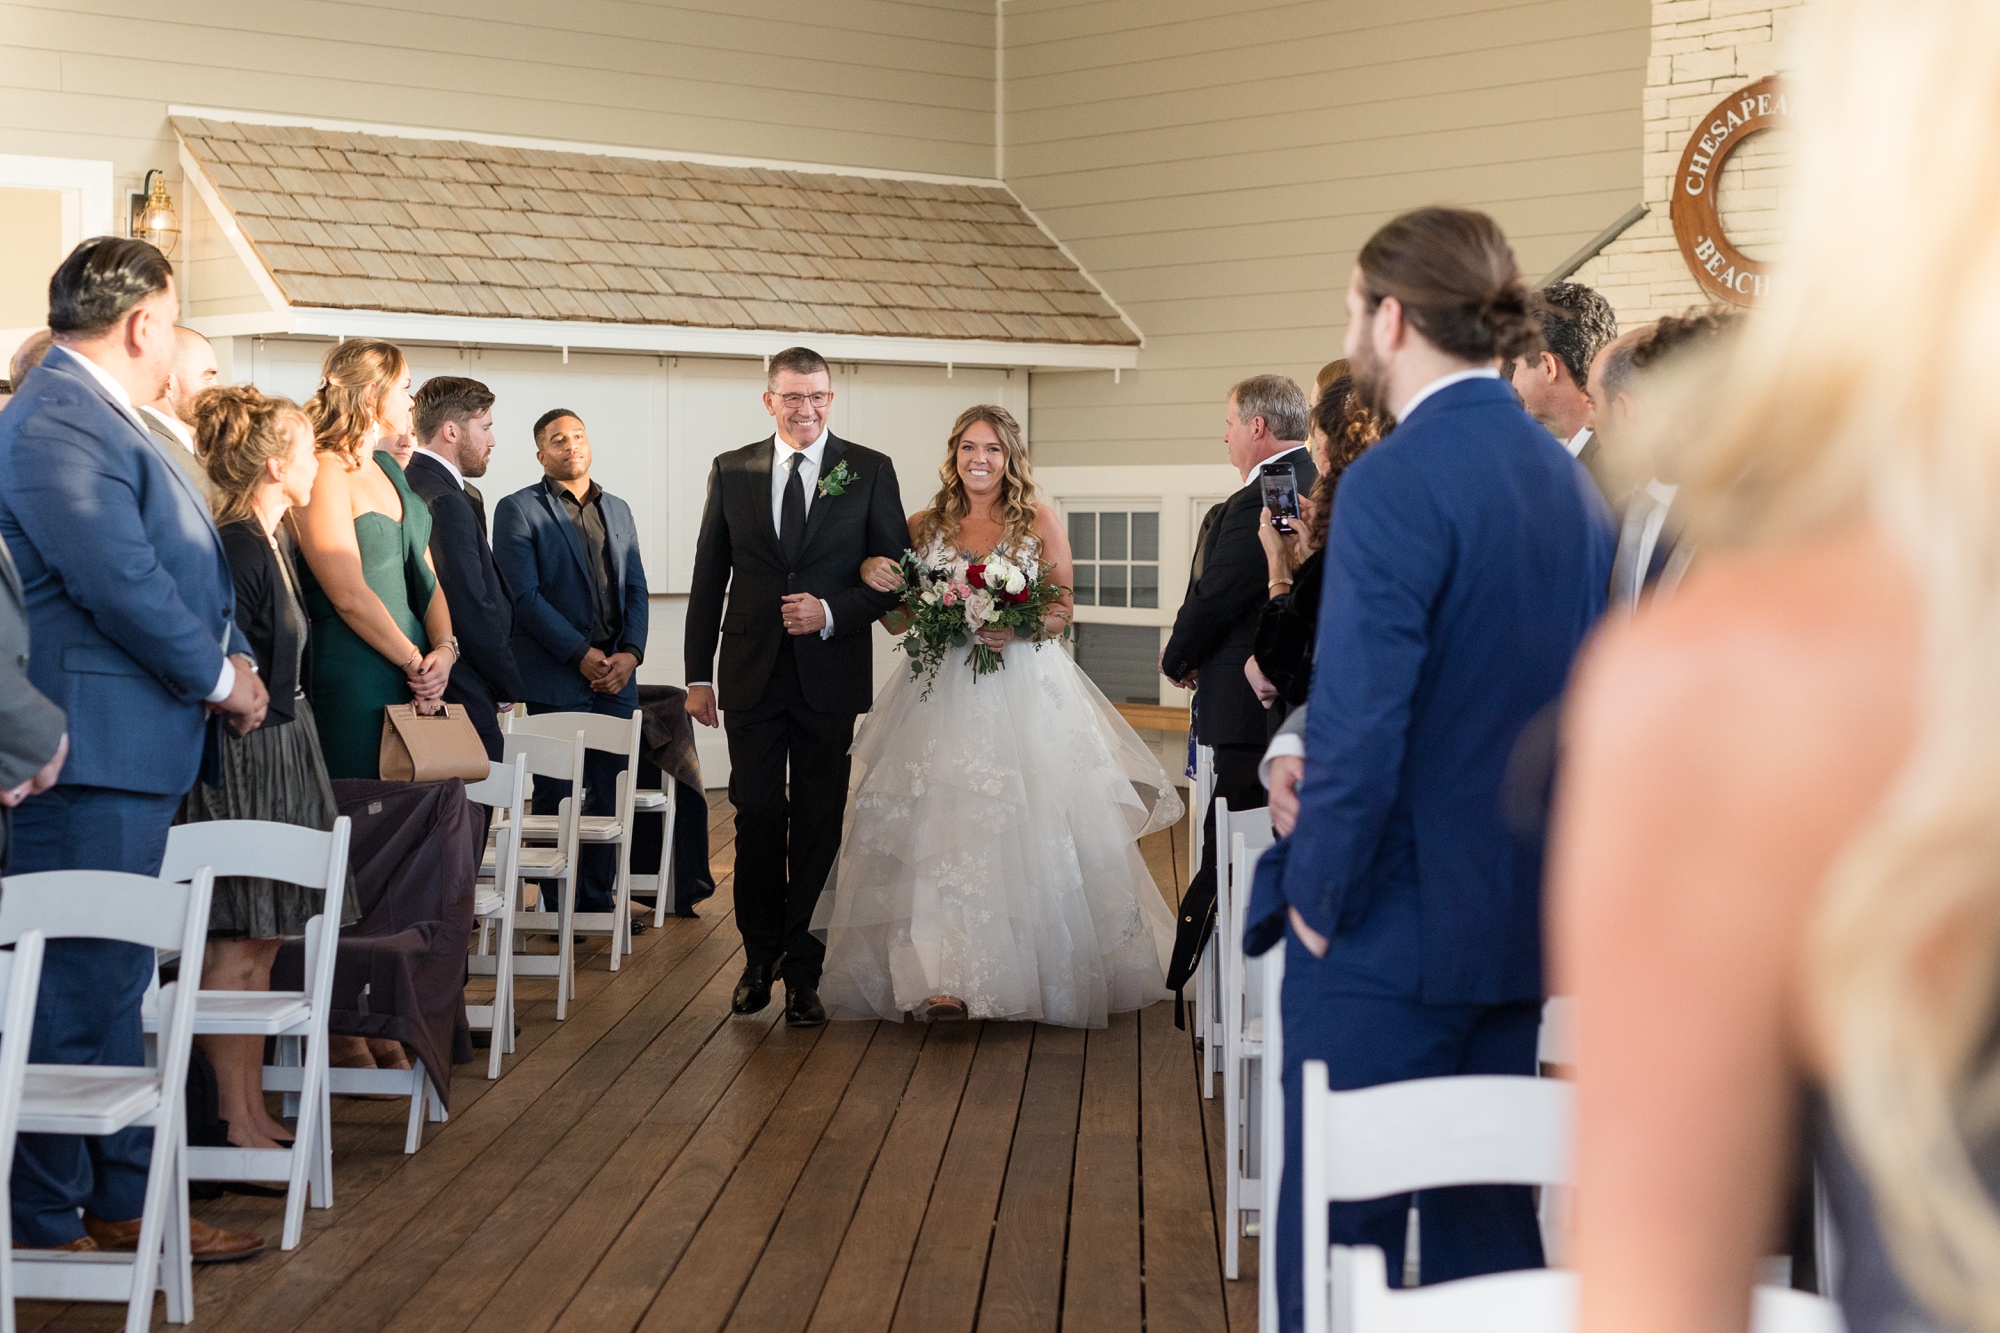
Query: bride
{"x":991,"y":866}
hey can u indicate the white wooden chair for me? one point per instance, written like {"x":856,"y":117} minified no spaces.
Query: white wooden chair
{"x":1556,"y":1043}
{"x":297,"y":1019}
{"x":504,"y":790}
{"x":560,"y":758}
{"x":657,"y":801}
{"x":1271,"y":1080}
{"x":1244,"y":835}
{"x":98,"y":1100}
{"x":1535,"y":1300}
{"x":1206,"y":1006}
{"x":613,"y":735}
{"x":20,"y":982}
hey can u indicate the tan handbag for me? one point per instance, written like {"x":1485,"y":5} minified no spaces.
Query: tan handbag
{"x":420,"y":748}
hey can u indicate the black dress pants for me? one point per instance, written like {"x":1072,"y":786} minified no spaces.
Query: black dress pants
{"x":787,"y":832}
{"x":1235,"y":782}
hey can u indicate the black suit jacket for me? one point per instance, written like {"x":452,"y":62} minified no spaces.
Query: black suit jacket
{"x":482,"y":614}
{"x":1216,"y":627}
{"x":738,"y":552}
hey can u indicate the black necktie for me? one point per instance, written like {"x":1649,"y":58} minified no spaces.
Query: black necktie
{"x":478,"y":505}
{"x":792,"y":527}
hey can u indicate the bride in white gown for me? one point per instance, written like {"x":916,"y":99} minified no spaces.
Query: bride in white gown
{"x":991,"y":867}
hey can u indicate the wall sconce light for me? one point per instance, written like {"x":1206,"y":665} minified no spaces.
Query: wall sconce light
{"x":153,"y":216}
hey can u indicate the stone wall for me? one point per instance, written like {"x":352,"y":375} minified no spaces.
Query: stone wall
{"x":1701,"y":50}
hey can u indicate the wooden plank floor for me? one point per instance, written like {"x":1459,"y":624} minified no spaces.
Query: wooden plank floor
{"x":654,"y":1163}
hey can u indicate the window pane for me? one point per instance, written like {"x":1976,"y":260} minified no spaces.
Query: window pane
{"x":1086,"y":584}
{"x":1145,"y":537}
{"x":1083,"y":536}
{"x":1111,"y":527}
{"x":1145,"y":585}
{"x":1112,"y":590}
{"x":1122,"y":659}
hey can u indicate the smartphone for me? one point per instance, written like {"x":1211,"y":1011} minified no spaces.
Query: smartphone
{"x":1281,"y":495}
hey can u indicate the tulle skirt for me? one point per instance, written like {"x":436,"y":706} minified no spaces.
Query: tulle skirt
{"x":992,"y":853}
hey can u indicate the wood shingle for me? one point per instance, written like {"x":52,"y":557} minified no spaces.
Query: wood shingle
{"x":439,"y":226}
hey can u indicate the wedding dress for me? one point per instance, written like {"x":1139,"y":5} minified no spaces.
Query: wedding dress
{"x":992,"y":852}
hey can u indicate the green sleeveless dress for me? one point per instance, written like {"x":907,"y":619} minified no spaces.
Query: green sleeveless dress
{"x":350,"y":683}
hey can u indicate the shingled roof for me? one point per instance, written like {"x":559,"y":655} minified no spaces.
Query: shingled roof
{"x":451,"y":227}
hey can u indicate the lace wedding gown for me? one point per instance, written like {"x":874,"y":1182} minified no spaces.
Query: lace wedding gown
{"x":992,"y":849}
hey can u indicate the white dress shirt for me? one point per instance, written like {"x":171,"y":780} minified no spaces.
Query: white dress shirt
{"x":226,"y":681}
{"x":1441,"y":383}
{"x":1576,"y":442}
{"x":446,"y":464}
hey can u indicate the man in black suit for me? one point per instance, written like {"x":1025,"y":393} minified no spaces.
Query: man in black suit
{"x":454,"y":427}
{"x":1266,"y":424}
{"x":787,"y":524}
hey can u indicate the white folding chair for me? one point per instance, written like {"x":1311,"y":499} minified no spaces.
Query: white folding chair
{"x":97,"y":1100}
{"x":297,"y":1019}
{"x":613,"y":735}
{"x":1421,"y":1134}
{"x":1556,"y":1042}
{"x":546,"y":757}
{"x":504,"y":789}
{"x":1207,"y":981}
{"x":20,"y":981}
{"x":1536,"y":1300}
{"x":1244,"y":835}
{"x":657,"y":801}
{"x":1271,"y":1079}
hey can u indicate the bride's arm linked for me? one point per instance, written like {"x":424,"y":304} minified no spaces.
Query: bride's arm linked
{"x":858,"y":606}
{"x":886,"y":575}
{"x":1062,"y":569}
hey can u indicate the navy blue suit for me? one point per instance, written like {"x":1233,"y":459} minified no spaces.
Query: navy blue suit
{"x":542,"y":561}
{"x":129,"y":600}
{"x":1467,"y":557}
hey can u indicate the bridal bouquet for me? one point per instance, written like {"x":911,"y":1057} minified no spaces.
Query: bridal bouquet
{"x":946,"y":605}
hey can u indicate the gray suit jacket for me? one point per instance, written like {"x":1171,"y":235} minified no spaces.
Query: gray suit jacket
{"x":30,"y":726}
{"x":183,"y":459}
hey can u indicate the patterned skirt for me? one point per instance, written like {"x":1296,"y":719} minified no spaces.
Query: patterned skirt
{"x":276,"y":774}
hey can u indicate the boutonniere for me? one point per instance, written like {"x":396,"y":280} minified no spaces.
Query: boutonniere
{"x":836,"y":481}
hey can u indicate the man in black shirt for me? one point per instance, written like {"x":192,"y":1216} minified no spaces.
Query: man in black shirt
{"x":569,"y":554}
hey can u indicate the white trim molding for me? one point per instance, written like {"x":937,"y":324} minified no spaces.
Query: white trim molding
{"x":86,"y":186}
{"x":655,"y":339}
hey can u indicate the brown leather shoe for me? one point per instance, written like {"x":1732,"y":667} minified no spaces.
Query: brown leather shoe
{"x":80,"y":1245}
{"x":207,"y":1244}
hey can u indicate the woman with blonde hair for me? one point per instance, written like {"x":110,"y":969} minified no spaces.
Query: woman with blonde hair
{"x":1776,"y":877}
{"x":991,"y":867}
{"x":259,"y":453}
{"x":381,"y":630}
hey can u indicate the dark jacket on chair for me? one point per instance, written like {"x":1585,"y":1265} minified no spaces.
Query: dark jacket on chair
{"x":30,"y":726}
{"x":541,"y":558}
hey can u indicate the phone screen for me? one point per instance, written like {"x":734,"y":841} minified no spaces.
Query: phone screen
{"x":1281,"y":495}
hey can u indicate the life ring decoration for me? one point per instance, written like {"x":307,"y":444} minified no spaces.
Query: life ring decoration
{"x":1723,"y":271}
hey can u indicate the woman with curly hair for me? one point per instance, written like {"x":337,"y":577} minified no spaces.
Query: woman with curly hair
{"x":381,"y":630}
{"x":992,"y":867}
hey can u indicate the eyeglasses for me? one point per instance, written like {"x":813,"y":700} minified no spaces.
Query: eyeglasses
{"x":794,"y":401}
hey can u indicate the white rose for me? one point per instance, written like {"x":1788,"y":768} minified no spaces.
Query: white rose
{"x":930,"y":597}
{"x":998,"y":571}
{"x":1015,"y":581}
{"x":979,"y":609}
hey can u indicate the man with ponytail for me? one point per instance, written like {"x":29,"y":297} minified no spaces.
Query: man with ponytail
{"x":1466,"y":559}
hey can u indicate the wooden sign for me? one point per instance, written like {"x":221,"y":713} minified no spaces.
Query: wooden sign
{"x":1723,"y":270}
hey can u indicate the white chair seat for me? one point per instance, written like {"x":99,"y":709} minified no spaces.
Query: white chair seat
{"x":589,"y":828}
{"x":536,"y":863}
{"x":648,"y":799}
{"x":488,"y":901}
{"x":250,"y":1013}
{"x":87,"y":1099}
{"x":1253,"y":1035}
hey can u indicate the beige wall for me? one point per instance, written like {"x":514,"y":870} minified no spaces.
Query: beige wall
{"x":897,"y":84}
{"x":1702,"y":49}
{"x":1216,"y":163}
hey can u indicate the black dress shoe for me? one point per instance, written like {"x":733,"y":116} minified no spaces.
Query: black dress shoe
{"x":802,"y":1007}
{"x":753,"y":991}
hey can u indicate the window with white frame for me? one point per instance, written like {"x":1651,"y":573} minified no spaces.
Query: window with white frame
{"x":1117,"y":553}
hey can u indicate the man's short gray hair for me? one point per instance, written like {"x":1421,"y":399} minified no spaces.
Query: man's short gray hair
{"x":1278,"y":400}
